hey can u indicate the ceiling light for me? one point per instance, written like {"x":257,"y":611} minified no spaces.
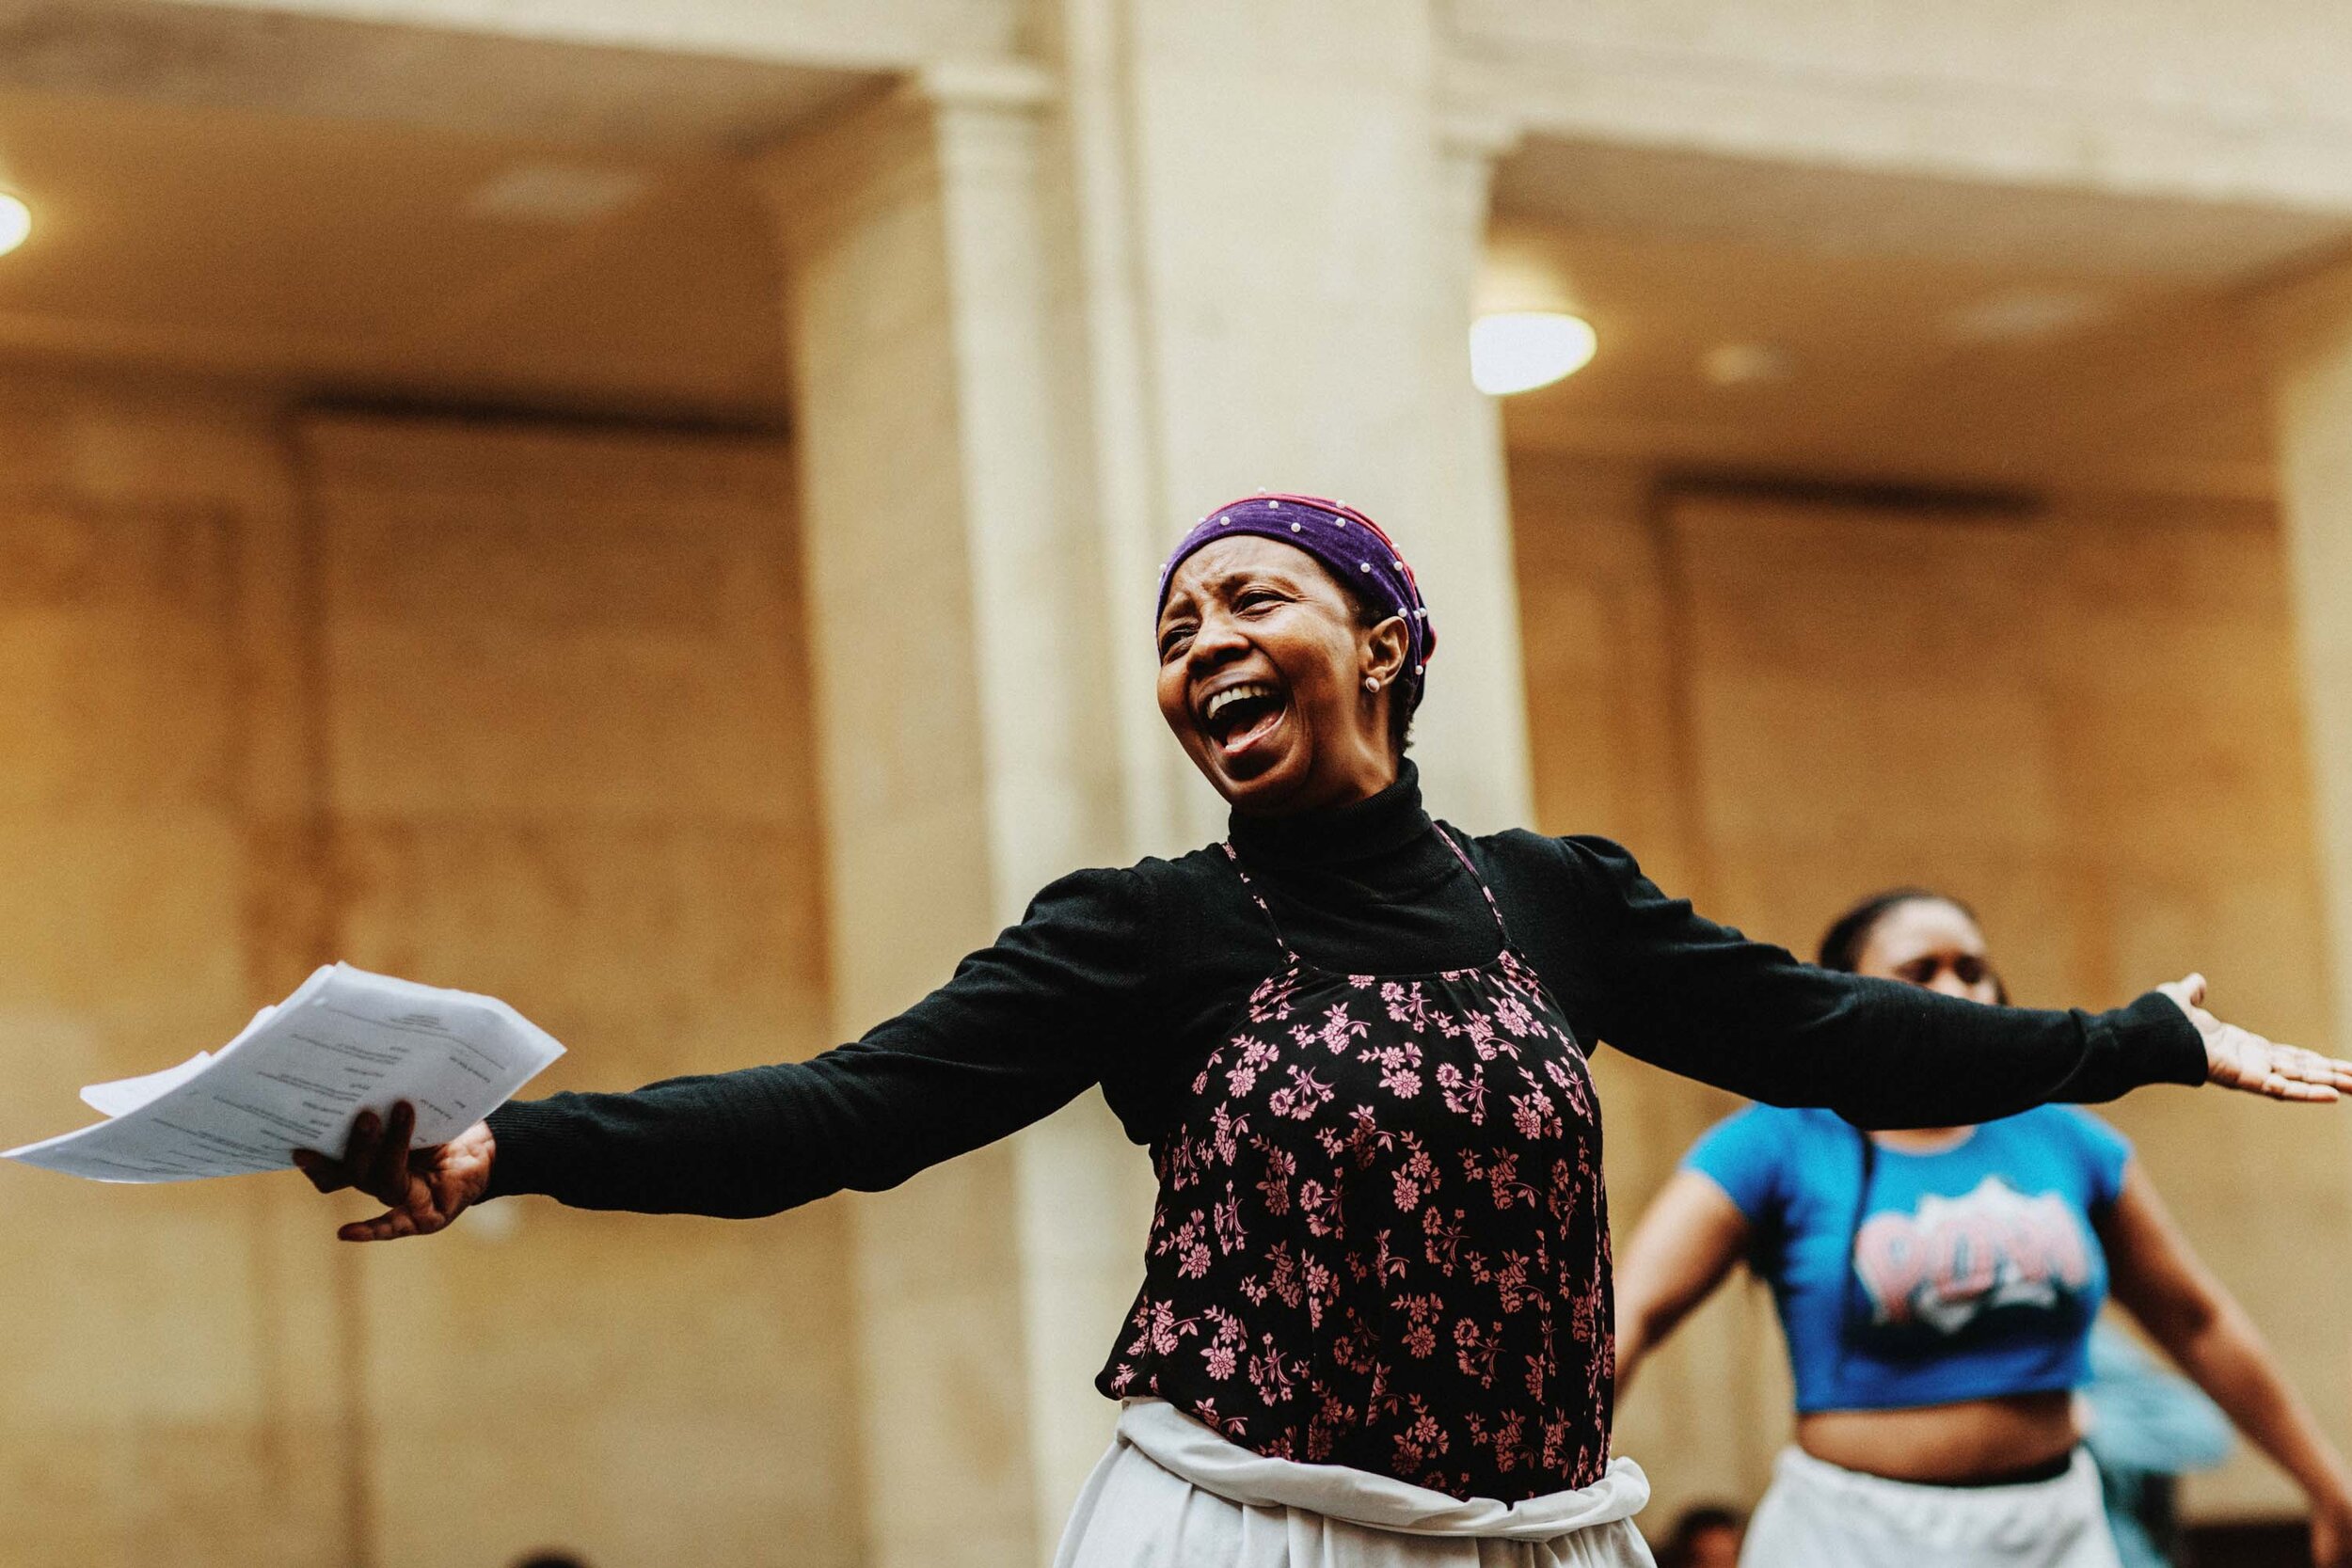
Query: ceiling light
{"x":1746,"y":364}
{"x":2020,"y":315}
{"x":16,"y":221}
{"x":555,"y":193}
{"x":1520,"y":350}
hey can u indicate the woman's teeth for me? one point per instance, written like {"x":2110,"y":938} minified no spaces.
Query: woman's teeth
{"x":1232,"y":694}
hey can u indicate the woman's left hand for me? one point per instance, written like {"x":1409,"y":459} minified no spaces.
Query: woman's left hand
{"x":2238,"y":1058}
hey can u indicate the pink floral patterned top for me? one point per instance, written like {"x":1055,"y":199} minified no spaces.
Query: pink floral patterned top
{"x":1381,"y":1238}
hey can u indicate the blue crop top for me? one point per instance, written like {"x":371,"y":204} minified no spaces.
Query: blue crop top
{"x":1977,"y":1271}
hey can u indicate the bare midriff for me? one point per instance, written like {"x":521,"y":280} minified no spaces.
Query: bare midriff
{"x":1973,"y":1441}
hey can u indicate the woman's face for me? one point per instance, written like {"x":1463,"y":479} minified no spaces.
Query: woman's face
{"x":1927,"y":942}
{"x":1262,"y":678}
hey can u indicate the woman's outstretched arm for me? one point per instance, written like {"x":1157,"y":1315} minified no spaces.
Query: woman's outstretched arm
{"x":1700,"y":999}
{"x":2188,"y":1311}
{"x":1015,"y":1035}
{"x":1689,"y":1239}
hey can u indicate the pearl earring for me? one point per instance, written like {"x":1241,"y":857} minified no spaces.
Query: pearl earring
{"x":1371,"y":682}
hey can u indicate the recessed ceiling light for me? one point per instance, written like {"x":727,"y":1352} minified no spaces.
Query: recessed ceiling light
{"x":1747,"y":364}
{"x":555,"y":193}
{"x":1518,"y":351}
{"x":2018,"y":315}
{"x":16,"y":222}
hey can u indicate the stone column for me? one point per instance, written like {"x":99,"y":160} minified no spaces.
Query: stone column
{"x":952,"y":599}
{"x":1481,"y":717}
{"x":2314,"y":424}
{"x":2313,"y":331}
{"x":1303,"y":243}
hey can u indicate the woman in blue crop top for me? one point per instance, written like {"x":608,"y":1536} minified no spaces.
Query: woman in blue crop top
{"x":1937,"y":1289}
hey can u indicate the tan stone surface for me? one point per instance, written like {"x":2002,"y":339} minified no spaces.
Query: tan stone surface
{"x":168,"y":1356}
{"x":1609,"y":730}
{"x":1308,"y":298}
{"x":513,"y":710}
{"x":877,"y":222}
{"x":569,"y":765}
{"x":2312,"y":333}
{"x":2034,"y":97}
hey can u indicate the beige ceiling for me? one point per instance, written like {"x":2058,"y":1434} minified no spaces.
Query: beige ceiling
{"x":1921,"y":330}
{"x":356,"y":210}
{"x":335,"y":255}
{"x":346,"y":208}
{"x":285,"y":61}
{"x":1666,"y":191}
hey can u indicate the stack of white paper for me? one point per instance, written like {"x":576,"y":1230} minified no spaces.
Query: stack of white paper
{"x":345,"y":1041}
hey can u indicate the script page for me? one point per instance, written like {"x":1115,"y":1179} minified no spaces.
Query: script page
{"x":345,"y":1041}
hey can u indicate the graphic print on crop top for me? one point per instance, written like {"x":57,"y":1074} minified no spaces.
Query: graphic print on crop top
{"x":1381,"y":1236}
{"x":1975,"y":1272}
{"x":1950,"y":1262}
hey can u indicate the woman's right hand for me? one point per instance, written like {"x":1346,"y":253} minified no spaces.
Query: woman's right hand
{"x":425,"y":1188}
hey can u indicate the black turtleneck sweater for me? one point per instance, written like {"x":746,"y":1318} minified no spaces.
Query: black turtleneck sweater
{"x":1128,"y":978}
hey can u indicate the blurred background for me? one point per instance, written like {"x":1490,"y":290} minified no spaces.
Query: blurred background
{"x":649,"y":511}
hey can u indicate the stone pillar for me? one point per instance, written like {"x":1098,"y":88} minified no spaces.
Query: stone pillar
{"x":2314,"y":424}
{"x":1304,"y":241}
{"x":2313,"y":407}
{"x":1480,"y":717}
{"x":952,"y":608}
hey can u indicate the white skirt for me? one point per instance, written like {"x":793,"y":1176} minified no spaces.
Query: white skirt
{"x":1817,"y":1516}
{"x":1173,"y":1493}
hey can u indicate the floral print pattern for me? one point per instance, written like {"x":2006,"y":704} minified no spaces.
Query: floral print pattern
{"x":1381,"y":1236}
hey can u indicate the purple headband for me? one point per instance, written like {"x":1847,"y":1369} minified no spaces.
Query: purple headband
{"x":1351,"y":548}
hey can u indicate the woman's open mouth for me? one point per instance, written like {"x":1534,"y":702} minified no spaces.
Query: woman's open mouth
{"x":1240,"y":715}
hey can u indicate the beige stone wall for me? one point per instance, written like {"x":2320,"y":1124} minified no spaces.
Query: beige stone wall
{"x":2310,"y":330}
{"x":2183,"y":97}
{"x":521,"y":712}
{"x":171,"y":1360}
{"x":2083,"y":719}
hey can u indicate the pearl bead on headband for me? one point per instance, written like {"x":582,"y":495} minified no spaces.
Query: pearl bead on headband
{"x":1350,"y":546}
